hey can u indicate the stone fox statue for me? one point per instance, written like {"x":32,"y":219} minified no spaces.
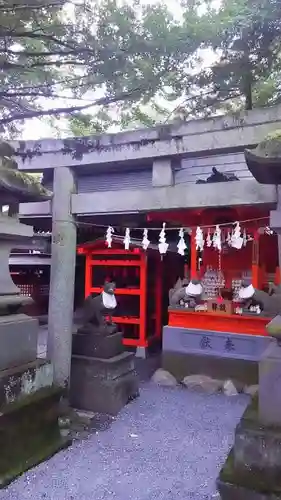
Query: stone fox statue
{"x":96,"y":308}
{"x":187,"y":292}
{"x":271,"y":304}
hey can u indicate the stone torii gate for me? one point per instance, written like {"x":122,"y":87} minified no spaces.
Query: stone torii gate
{"x":63,"y":262}
{"x":160,"y":148}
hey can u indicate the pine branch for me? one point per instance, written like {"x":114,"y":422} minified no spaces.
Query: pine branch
{"x":61,"y":53}
{"x":7,"y":66}
{"x":104,"y":101}
{"x":32,"y":6}
{"x":13,"y":33}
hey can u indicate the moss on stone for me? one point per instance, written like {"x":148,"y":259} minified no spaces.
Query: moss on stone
{"x":44,"y":449}
{"x":251,"y":480}
{"x":274,"y":327}
{"x":250,"y":418}
{"x":270,"y":146}
{"x":35,"y":397}
{"x":251,"y":412}
{"x":6,"y":149}
{"x":23,"y":185}
{"x":276,"y":134}
{"x":29,"y":432}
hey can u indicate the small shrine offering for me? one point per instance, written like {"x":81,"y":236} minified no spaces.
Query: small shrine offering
{"x":231,"y":267}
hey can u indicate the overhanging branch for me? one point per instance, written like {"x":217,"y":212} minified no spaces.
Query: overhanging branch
{"x":104,"y":101}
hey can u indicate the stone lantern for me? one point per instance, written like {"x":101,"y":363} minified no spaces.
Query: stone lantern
{"x":18,"y":332}
{"x":252,"y":470}
{"x":29,"y":402}
{"x":264,"y":162}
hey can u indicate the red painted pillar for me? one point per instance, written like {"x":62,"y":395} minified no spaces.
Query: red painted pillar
{"x":277,"y":277}
{"x":88,"y":275}
{"x":158,"y":298}
{"x":143,"y":299}
{"x":255,"y":261}
{"x":193,"y":255}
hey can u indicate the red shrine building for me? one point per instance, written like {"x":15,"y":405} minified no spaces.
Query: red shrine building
{"x":191,"y":177}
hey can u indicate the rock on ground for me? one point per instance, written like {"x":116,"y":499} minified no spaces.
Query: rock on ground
{"x":229,"y":388}
{"x":251,"y":390}
{"x":169,"y":444}
{"x":203,"y":383}
{"x":164,"y":378}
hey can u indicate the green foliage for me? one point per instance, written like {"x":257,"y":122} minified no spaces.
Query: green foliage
{"x":15,"y":181}
{"x":246,"y":38}
{"x":82,"y":124}
{"x":112,"y":65}
{"x":94,"y":53}
{"x":270,"y":147}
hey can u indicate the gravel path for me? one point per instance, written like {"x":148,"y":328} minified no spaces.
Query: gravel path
{"x":167,"y":445}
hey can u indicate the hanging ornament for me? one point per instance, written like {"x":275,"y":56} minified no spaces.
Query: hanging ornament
{"x":209,"y":239}
{"x":108,"y":236}
{"x":145,"y":241}
{"x":236,"y":239}
{"x":127,"y":239}
{"x":220,"y":280}
{"x":217,"y":238}
{"x":199,"y":239}
{"x":268,"y":231}
{"x":163,"y":246}
{"x":181,"y":244}
{"x":245,"y":239}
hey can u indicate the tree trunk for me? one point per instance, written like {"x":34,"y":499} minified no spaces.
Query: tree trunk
{"x":248,"y":96}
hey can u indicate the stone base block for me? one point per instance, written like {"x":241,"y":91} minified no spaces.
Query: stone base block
{"x":269,"y":386}
{"x":253,"y":467}
{"x":97,"y":346}
{"x":20,"y":382}
{"x":232,"y":486}
{"x":105,"y":396}
{"x":29,"y":433}
{"x":95,"y":330}
{"x":103,"y":368}
{"x":18,"y":340}
{"x":103,"y":385}
{"x":257,"y":448}
{"x":229,"y":491}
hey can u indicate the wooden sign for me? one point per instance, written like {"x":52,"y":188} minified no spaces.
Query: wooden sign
{"x":220,"y":306}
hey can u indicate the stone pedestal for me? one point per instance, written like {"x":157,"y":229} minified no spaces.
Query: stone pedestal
{"x":253,"y":467}
{"x":18,"y":333}
{"x":97,"y":346}
{"x":103,"y":376}
{"x":270,"y":386}
{"x":29,"y":432}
